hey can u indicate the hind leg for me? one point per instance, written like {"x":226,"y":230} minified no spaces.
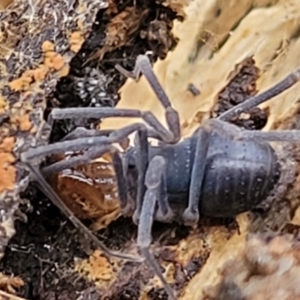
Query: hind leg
{"x":275,"y":90}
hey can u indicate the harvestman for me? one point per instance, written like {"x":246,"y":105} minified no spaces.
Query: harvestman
{"x":151,"y":199}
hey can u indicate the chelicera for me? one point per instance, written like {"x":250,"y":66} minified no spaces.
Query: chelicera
{"x":219,"y":171}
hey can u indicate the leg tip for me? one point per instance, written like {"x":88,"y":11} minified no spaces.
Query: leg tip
{"x":167,"y":217}
{"x":190,"y":218}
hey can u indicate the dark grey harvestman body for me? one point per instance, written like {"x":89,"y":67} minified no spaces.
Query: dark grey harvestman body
{"x":220,"y":171}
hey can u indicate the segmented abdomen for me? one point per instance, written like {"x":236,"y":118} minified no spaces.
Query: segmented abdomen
{"x":239,"y":178}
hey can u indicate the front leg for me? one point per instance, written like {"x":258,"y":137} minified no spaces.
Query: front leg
{"x":233,"y":132}
{"x":143,"y":65}
{"x":153,"y":182}
{"x":142,"y":162}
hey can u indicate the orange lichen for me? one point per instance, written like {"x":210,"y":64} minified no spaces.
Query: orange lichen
{"x":40,"y":73}
{"x":28,"y":77}
{"x":57,"y":62}
{"x":64,"y":71}
{"x":96,"y":268}
{"x":54,"y":60}
{"x":48,"y":46}
{"x":21,"y":84}
{"x":100,"y":267}
{"x":7,"y":144}
{"x":24,"y":123}
{"x":8,"y":171}
{"x":50,"y":54}
{"x":76,"y":40}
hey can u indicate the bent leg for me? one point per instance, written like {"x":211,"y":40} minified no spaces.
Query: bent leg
{"x":153,"y":184}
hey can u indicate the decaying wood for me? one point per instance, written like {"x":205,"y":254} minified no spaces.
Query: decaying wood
{"x":35,"y":52}
{"x":221,"y":44}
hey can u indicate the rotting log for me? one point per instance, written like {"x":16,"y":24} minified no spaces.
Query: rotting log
{"x":216,"y":37}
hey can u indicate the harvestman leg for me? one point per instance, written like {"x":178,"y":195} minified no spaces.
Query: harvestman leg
{"x":143,"y":65}
{"x":273,"y":135}
{"x":154,"y":181}
{"x":236,"y":133}
{"x":277,"y":89}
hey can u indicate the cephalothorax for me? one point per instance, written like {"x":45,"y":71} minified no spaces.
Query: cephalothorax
{"x":220,"y":171}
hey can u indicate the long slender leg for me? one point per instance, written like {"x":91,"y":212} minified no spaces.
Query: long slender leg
{"x":191,"y":213}
{"x":273,"y":136}
{"x":103,"y":142}
{"x":81,"y":144}
{"x":87,"y":142}
{"x":235,"y":133}
{"x":142,"y":164}
{"x":107,"y":112}
{"x":164,"y":212}
{"x":143,"y":65}
{"x":75,"y":161}
{"x":81,"y":132}
{"x":153,"y":184}
{"x":126,"y":205}
{"x":280,"y":87}
{"x":45,"y":187}
{"x":95,"y":152}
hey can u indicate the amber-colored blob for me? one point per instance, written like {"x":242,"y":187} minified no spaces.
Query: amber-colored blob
{"x":90,"y":192}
